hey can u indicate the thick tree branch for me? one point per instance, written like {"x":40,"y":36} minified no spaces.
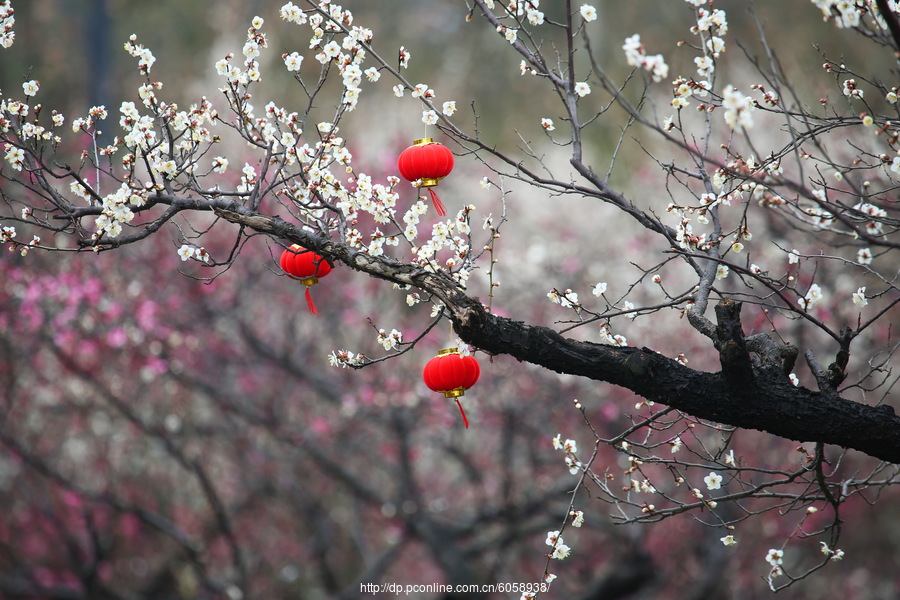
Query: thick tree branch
{"x":733,"y":355}
{"x":891,"y":19}
{"x":760,"y":397}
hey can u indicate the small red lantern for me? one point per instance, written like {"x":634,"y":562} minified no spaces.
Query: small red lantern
{"x":307,"y":267}
{"x":451,"y":374}
{"x":426,"y":162}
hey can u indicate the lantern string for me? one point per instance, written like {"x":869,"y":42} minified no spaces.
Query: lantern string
{"x":463,"y":413}
{"x":438,"y":205}
{"x":309,"y":303}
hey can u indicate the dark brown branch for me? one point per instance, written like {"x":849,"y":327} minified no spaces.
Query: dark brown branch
{"x":891,"y":20}
{"x":733,"y":355}
{"x":763,"y":398}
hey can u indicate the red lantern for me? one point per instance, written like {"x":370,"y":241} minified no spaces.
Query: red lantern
{"x":451,"y":374}
{"x":307,"y":267}
{"x":426,"y":162}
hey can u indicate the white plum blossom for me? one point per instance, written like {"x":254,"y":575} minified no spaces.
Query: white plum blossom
{"x":186,"y":252}
{"x":588,"y":12}
{"x":676,"y":444}
{"x":429,"y":117}
{"x":561,"y":551}
{"x":713,"y":481}
{"x":775,"y":557}
{"x":552,"y":538}
{"x":813,"y":297}
{"x":15,"y":156}
{"x":293,"y":61}
{"x":859,"y":297}
{"x":535,"y":17}
{"x":220,"y":164}
{"x":30,"y":88}
{"x":716,"y":45}
{"x":582,"y":89}
{"x":864,"y":256}
{"x":577,"y":518}
{"x":728,"y":540}
{"x":547,"y":124}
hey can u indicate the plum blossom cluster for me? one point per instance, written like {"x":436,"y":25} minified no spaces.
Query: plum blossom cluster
{"x":571,"y":450}
{"x":117,"y":210}
{"x":7,"y":22}
{"x":524,"y":9}
{"x":738,"y":108}
{"x":851,"y":90}
{"x":636,"y":56}
{"x":145,"y":56}
{"x":872,"y":217}
{"x":846,"y":13}
{"x":14,"y":156}
{"x":711,"y":26}
{"x":560,"y":549}
{"x":347,"y":54}
{"x":390,"y":341}
{"x":188,"y":252}
{"x":832,"y":554}
{"x":683,"y":88}
{"x":345,"y":359}
{"x":566,"y":299}
{"x":452,"y":235}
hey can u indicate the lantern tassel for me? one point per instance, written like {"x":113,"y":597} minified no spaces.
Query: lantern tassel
{"x":438,"y":205}
{"x":463,"y":413}
{"x":309,"y":303}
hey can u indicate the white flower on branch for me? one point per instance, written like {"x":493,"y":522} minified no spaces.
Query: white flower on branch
{"x":775,"y":557}
{"x":713,"y":481}
{"x":738,"y":108}
{"x":588,"y":12}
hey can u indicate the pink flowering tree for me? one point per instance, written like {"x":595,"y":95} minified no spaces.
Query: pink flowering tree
{"x":724,"y":261}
